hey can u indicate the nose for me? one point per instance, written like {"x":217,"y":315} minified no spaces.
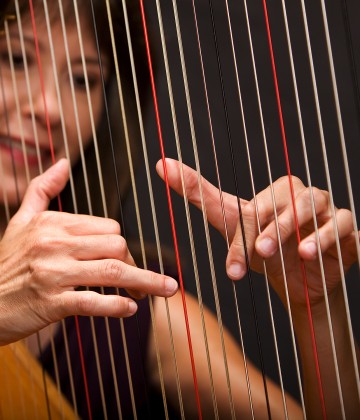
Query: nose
{"x":45,"y":101}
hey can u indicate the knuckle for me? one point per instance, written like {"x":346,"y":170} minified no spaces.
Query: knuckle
{"x":115,"y":226}
{"x":156,"y":281}
{"x":296,"y":181}
{"x":285,"y":228}
{"x":321,"y":198}
{"x":284,"y":181}
{"x":113,"y":269}
{"x":85,"y":302}
{"x":44,"y":244}
{"x":44,"y":218}
{"x":346,"y":215}
{"x":118,"y":242}
{"x":192,"y":186}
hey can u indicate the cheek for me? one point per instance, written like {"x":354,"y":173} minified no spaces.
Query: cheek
{"x":86,"y":122}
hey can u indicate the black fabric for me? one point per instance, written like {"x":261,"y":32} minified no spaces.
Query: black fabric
{"x":137,"y":333}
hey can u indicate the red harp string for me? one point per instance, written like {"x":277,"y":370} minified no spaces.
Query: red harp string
{"x":78,"y":332}
{"x":288,"y":168}
{"x":245,"y":388}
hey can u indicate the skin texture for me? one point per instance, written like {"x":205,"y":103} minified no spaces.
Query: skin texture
{"x":293,"y":255}
{"x":45,"y":256}
{"x":39,"y":249}
{"x":16,"y":121}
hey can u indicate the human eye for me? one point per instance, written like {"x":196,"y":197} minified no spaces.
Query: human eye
{"x":79,"y":79}
{"x":15,"y":57}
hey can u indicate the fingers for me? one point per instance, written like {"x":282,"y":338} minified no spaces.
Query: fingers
{"x":98,"y":247}
{"x":42,"y":189}
{"x":308,"y":248}
{"x":87,"y":303}
{"x":267,"y":244}
{"x":211,"y":195}
{"x":115,"y":273}
{"x":236,"y":264}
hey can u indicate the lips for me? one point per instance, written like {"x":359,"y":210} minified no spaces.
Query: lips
{"x":14,"y":147}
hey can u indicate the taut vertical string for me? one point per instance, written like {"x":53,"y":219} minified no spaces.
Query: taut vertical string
{"x":242,"y":226}
{"x":186,"y":203}
{"x":313,"y":339}
{"x":59,"y":199}
{"x":171,"y":210}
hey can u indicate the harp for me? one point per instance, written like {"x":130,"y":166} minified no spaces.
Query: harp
{"x":244,"y":92}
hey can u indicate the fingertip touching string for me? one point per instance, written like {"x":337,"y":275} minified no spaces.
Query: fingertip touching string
{"x":287,"y":160}
{"x":172,"y":220}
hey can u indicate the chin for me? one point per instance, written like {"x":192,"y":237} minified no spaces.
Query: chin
{"x":12,"y":194}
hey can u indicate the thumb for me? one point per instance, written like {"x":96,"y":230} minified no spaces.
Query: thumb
{"x":42,"y":189}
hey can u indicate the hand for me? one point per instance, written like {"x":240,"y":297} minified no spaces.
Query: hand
{"x":265,"y":245}
{"x":45,"y":255}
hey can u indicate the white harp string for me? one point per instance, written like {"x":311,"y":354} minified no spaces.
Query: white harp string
{"x":203,"y":207}
{"x":329,"y":186}
{"x":312,"y":200}
{"x":341,"y":128}
{"x":133,"y":181}
{"x":256,"y":206}
{"x":143,"y":142}
{"x":186,"y":203}
{"x":268,"y":166}
{"x":20,"y":121}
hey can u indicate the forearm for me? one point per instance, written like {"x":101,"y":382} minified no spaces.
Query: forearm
{"x":329,"y":364}
{"x":235,"y":362}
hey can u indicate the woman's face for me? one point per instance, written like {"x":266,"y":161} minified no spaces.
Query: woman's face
{"x":17,"y":127}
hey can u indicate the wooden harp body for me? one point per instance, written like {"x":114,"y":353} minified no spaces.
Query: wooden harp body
{"x":245,"y":93}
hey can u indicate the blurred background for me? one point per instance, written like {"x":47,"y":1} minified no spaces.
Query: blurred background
{"x":343,"y":22}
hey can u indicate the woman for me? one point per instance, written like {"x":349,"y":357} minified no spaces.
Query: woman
{"x":47,"y":258}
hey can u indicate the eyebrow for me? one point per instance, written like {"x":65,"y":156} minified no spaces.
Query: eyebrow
{"x":26,"y":38}
{"x":91,"y":61}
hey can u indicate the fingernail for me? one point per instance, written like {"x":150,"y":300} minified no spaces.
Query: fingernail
{"x":171,"y":286}
{"x":311,"y":249}
{"x":132,"y":307}
{"x":267,"y":246}
{"x":236,"y":271}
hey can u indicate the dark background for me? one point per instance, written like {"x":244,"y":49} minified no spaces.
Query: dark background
{"x":350,"y":115}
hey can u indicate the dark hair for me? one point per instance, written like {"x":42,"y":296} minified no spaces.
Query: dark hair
{"x":110,"y":131}
{"x":112,"y":148}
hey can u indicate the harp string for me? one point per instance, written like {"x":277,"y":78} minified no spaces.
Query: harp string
{"x":99,"y":171}
{"x":16,"y":95}
{"x":348,"y":183}
{"x":241,"y":220}
{"x":329,"y":185}
{"x":7,"y":210}
{"x":120,"y":205}
{"x":153,"y":88}
{"x":72,"y":188}
{"x":321,"y":265}
{"x":255,"y":200}
{"x":7,"y":215}
{"x":341,"y":128}
{"x":186,"y":203}
{"x":351,"y":53}
{"x":203,"y":207}
{"x":81,"y":353}
{"x":133,"y":183}
{"x":17,"y":105}
{"x":318,"y":243}
{"x":311,"y":325}
{"x":135,"y":194}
